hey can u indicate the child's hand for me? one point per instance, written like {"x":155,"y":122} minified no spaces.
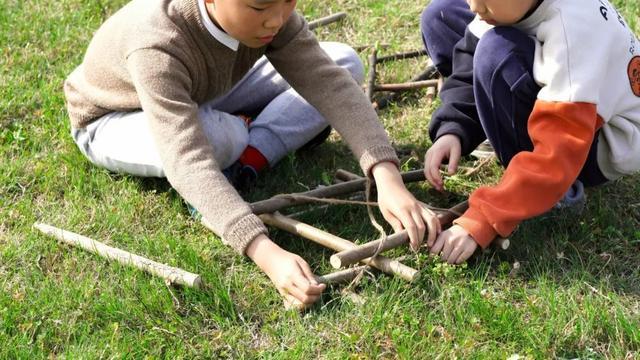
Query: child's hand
{"x":454,"y":245}
{"x":289,"y":273}
{"x":446,"y":147}
{"x":400,"y":208}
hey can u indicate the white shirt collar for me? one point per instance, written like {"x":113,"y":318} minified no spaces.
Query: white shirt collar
{"x":215,"y":31}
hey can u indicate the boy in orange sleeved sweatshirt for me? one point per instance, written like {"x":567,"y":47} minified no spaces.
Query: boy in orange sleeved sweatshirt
{"x":555,"y":87}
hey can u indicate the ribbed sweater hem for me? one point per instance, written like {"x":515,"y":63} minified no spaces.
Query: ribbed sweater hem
{"x":242,"y":233}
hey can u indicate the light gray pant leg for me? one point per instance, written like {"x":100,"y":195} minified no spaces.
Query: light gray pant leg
{"x":122,"y":141}
{"x":288,"y":121}
{"x":284,"y":121}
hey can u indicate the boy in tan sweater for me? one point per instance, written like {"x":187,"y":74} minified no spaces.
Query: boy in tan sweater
{"x":157,"y":92}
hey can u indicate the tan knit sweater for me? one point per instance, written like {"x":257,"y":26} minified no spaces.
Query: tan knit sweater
{"x":157,"y":55}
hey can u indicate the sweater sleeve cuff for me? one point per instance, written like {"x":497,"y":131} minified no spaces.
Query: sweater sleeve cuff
{"x":242,"y":233}
{"x":376,"y":155}
{"x":479,"y":229}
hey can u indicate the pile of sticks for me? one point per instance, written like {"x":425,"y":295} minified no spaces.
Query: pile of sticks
{"x":348,"y":252}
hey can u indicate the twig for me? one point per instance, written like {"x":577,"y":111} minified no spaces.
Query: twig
{"x":277,"y":203}
{"x":171,"y":274}
{"x":327,"y":20}
{"x":411,"y":85}
{"x":427,"y":74}
{"x":440,"y":84}
{"x":475,"y":169}
{"x":402,"y":56}
{"x":357,"y":197}
{"x":345,"y":175}
{"x":342,"y":276}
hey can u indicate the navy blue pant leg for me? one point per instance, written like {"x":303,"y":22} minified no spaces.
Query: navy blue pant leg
{"x":505,"y":94}
{"x":442,"y":24}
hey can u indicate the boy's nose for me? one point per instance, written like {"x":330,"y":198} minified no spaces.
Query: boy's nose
{"x":475,"y":6}
{"x":275,"y":19}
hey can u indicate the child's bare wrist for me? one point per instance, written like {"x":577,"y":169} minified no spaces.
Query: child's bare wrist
{"x":261,"y":248}
{"x":385,"y":171}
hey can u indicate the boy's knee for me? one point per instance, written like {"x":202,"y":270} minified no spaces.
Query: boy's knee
{"x":433,"y":15}
{"x":345,"y":57}
{"x":495,"y":48}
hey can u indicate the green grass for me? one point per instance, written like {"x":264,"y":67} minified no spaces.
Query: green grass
{"x":576,"y":293}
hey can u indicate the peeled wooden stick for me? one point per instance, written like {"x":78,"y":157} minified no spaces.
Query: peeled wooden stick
{"x":342,"y":276}
{"x":353,"y":255}
{"x":170,"y":274}
{"x":345,"y":175}
{"x":338,"y":244}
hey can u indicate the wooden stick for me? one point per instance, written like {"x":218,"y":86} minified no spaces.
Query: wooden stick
{"x":280,"y":202}
{"x":440,"y":84}
{"x":353,"y":255}
{"x":502,"y":243}
{"x":427,"y":74}
{"x":336,"y":243}
{"x":170,"y":274}
{"x":402,"y":56}
{"x":411,"y":85}
{"x":350,"y":256}
{"x":327,"y":20}
{"x":371,"y":84}
{"x":342,"y":276}
{"x":345,"y":175}
{"x":358,"y":196}
{"x":431,"y":95}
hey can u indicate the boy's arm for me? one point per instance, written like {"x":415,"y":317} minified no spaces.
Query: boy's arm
{"x":562,"y":134}
{"x":187,"y":156}
{"x":458,"y":114}
{"x":297,"y":56}
{"x":561,"y":126}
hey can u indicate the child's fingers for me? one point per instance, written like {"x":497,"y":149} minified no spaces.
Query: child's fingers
{"x":436,"y":178}
{"x":466,"y":254}
{"x":432,"y":170}
{"x":455,"y":253}
{"x":433,"y":225}
{"x":306,"y":270}
{"x":300,"y":294}
{"x":446,"y":249}
{"x":437,"y":246}
{"x":412,"y":229}
{"x":421,"y":227}
{"x":395,"y":223}
{"x":454,"y":158}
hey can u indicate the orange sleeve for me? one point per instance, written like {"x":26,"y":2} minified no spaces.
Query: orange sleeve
{"x":534,"y":181}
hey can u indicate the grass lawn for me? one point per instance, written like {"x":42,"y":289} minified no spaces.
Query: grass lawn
{"x":567,"y":288}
